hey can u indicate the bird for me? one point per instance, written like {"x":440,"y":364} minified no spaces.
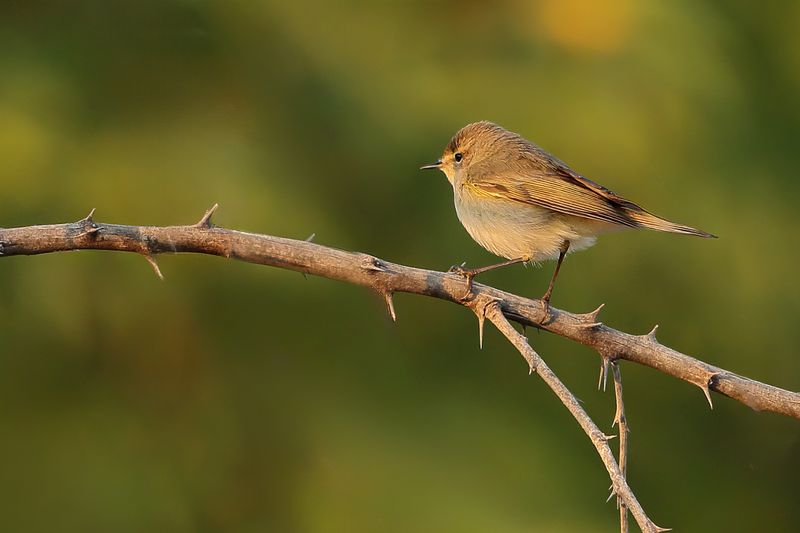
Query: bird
{"x":521,"y":203}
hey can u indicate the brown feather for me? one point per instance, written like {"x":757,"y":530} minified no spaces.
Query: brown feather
{"x":533,"y":176}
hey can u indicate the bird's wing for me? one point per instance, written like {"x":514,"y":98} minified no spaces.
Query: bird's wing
{"x":556,"y":187}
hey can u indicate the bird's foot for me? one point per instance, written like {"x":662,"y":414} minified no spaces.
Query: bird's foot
{"x":468,"y":274}
{"x":546,"y":308}
{"x":457,"y":269}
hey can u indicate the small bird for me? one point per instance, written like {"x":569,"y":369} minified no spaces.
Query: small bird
{"x":521,"y":203}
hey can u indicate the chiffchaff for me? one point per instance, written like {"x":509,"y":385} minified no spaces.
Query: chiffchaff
{"x":521,"y":203}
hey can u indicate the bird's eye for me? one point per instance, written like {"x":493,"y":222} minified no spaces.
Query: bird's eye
{"x":458,"y":157}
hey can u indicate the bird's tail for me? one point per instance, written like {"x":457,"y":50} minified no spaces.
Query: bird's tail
{"x":644,"y":219}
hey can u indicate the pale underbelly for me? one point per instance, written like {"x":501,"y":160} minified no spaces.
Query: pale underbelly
{"x":514,"y":230}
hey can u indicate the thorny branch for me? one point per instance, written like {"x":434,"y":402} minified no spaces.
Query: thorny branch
{"x":622,"y":424}
{"x":387,"y":278}
{"x":491,"y":309}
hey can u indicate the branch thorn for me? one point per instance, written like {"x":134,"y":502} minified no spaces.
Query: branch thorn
{"x":310,"y":238}
{"x":603,"y":379}
{"x":88,"y":223}
{"x":205,"y":222}
{"x":707,"y":392}
{"x":388,"y":297}
{"x":481,"y":322}
{"x":480,"y":308}
{"x":152,"y":261}
{"x":372,"y":264}
{"x":619,"y":418}
{"x":594,"y":314}
{"x":652,"y":334}
{"x":589,"y":320}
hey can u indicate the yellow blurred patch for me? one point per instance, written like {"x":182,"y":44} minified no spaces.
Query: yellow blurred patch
{"x":25,"y":145}
{"x":586,"y":25}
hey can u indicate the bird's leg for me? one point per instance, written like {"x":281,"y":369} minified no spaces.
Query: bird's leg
{"x":470,"y":273}
{"x":549,"y":292}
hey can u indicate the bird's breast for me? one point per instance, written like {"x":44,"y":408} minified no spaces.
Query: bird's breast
{"x":513,"y":230}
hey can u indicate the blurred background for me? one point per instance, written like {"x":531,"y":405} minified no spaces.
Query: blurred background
{"x":234,"y":397}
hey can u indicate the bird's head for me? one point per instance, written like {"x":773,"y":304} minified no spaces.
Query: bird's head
{"x":473,"y":144}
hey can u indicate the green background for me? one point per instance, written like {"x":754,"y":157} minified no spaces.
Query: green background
{"x":233,"y":397}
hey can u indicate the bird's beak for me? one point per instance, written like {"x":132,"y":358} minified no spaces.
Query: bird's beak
{"x":432,"y":166}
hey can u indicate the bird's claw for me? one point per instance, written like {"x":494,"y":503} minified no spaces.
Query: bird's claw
{"x":468,"y":274}
{"x":546,"y":310}
{"x":458,"y":269}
